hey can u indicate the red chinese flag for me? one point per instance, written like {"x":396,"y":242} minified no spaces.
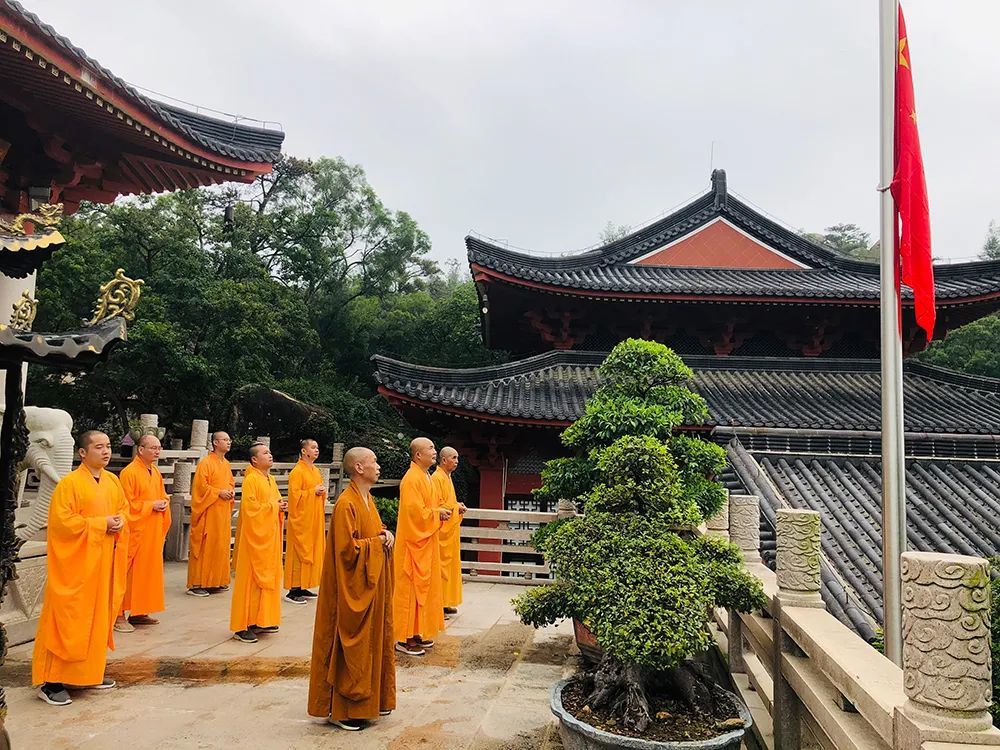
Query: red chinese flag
{"x":909,"y":189}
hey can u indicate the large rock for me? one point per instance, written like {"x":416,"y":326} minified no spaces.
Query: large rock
{"x":258,"y":410}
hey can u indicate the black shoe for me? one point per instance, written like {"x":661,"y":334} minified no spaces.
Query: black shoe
{"x":385,"y":712}
{"x":307,"y":594}
{"x":54,"y":694}
{"x":294,"y":598}
{"x":350,"y":725}
{"x":200,"y":592}
{"x":269,"y":629}
{"x":246,"y":636}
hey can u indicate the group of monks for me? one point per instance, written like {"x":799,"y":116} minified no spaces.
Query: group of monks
{"x":380,"y":593}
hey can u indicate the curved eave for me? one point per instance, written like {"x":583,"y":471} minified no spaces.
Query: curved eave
{"x":41,"y":47}
{"x":483,"y":275}
{"x":476,"y":416}
{"x":21,"y":255}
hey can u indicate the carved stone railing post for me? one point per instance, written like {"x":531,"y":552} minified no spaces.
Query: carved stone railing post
{"x":797,"y":533}
{"x":176,"y":444}
{"x":324,"y":473}
{"x":565,"y":509}
{"x":718,"y":525}
{"x":734,"y":638}
{"x":744,"y":525}
{"x":338,"y":453}
{"x":176,"y":547}
{"x":946,"y":646}
{"x":265,"y":439}
{"x":199,"y":435}
{"x":148,"y":423}
{"x":798,"y":558}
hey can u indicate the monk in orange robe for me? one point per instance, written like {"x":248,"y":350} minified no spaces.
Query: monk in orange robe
{"x":148,"y":523}
{"x":353,"y":674}
{"x":87,"y":549}
{"x":418,"y":613}
{"x":212,"y":493}
{"x":256,"y":606}
{"x":306,"y":532}
{"x":448,"y":537}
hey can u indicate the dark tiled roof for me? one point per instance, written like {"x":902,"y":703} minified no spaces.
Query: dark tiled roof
{"x":22,"y":254}
{"x":741,"y":391}
{"x":221,"y":137}
{"x":952,"y":506}
{"x":77,"y":350}
{"x":828,"y":276}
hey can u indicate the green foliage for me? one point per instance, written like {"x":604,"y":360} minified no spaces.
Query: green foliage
{"x":846,"y":239}
{"x":973,"y":348}
{"x":388,"y":510}
{"x":991,"y":245}
{"x":642,"y":588}
{"x":313,"y":276}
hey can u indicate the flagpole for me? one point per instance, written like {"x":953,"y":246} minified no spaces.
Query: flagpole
{"x":893,"y":461}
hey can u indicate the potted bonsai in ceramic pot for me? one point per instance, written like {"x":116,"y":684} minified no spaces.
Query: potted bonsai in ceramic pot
{"x":633,"y":569}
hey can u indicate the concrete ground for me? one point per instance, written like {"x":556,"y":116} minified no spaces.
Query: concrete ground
{"x":186,"y":684}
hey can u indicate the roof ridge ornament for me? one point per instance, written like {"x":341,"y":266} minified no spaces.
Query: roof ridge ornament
{"x":120,"y":296}
{"x":43,"y":220}
{"x":23,"y":311}
{"x":719,"y":188}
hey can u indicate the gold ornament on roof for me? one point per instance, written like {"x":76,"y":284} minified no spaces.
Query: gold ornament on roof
{"x":46,"y":218}
{"x":120,"y":296}
{"x":24,"y":311}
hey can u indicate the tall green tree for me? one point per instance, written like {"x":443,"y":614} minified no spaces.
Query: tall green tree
{"x":846,"y":239}
{"x":291,"y":283}
{"x":991,"y":245}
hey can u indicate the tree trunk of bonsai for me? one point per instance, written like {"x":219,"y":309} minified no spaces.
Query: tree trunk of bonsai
{"x":623,"y":690}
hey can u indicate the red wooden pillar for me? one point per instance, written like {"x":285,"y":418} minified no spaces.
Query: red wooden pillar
{"x":490,"y":498}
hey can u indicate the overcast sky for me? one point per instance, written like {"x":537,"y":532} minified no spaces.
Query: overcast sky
{"x":539,"y":121}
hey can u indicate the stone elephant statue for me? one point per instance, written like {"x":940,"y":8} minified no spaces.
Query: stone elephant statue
{"x":50,"y":454}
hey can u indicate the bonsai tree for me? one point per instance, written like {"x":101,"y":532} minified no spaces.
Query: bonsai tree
{"x":632,"y":567}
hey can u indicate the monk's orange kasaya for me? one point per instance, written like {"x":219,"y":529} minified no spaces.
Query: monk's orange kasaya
{"x":148,"y":523}
{"x":353,"y":675}
{"x":212,"y":494}
{"x":87,"y":553}
{"x":306,"y":529}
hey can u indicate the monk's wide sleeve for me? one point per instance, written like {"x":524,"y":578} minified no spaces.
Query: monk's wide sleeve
{"x":76,"y":545}
{"x":421,"y":521}
{"x":138,"y":509}
{"x":257,"y":529}
{"x":299,"y":491}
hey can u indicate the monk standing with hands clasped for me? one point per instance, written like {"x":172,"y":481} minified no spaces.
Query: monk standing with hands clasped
{"x":212,"y":495}
{"x":306,"y":525}
{"x":87,"y":550}
{"x":448,"y":537}
{"x":418,"y":612}
{"x":353,"y":674}
{"x":148,"y":523}
{"x":256,"y":606}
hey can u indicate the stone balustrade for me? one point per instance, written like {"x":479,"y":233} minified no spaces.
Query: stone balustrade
{"x":813,"y":682}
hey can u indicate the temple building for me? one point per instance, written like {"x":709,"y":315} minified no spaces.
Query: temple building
{"x":72,"y":131}
{"x":783,"y":337}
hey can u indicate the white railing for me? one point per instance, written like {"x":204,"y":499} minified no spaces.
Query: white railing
{"x":813,"y":682}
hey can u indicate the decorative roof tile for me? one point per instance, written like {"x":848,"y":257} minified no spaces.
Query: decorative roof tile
{"x":609,"y":269}
{"x":952,"y":506}
{"x":740,"y":391}
{"x":230,"y":139}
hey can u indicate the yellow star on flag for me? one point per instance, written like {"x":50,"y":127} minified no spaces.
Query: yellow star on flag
{"x":902,"y":57}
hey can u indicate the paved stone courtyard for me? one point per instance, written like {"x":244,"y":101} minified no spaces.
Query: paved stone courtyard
{"x":186,"y":684}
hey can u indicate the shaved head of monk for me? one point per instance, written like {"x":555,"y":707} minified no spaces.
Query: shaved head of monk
{"x":260,"y":457}
{"x":309,"y":449}
{"x":361,"y":464}
{"x":448,"y":459}
{"x":422,"y":452}
{"x":149,"y":449}
{"x":221,"y":442}
{"x":94,"y":448}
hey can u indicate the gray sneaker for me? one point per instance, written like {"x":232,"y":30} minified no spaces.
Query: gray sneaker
{"x":54,"y":694}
